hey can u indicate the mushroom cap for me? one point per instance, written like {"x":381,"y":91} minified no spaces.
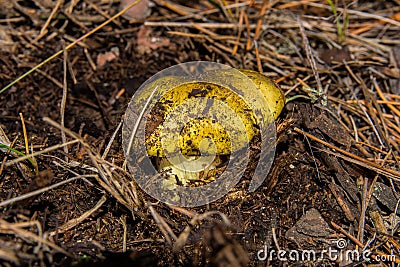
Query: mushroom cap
{"x":196,"y":117}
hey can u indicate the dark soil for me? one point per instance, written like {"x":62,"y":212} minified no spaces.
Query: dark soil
{"x":136,"y":230}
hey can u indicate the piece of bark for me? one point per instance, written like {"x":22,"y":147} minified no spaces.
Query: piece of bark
{"x":344,"y":179}
{"x":332,"y":129}
{"x":310,"y":230}
{"x":385,"y":196}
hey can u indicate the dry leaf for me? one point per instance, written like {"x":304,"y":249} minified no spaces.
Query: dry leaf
{"x":146,"y":43}
{"x":103,"y":58}
{"x":138,"y":11}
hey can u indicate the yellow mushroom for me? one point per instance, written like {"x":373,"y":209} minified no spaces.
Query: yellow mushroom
{"x":273,"y":94}
{"x":227,"y":134}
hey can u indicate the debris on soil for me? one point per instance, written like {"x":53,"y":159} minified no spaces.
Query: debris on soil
{"x":311,"y":231}
{"x":331,"y":129}
{"x":384,"y":194}
{"x":103,"y":58}
{"x":138,"y":12}
{"x":6,"y":42}
{"x":146,"y":43}
{"x":336,"y":55}
{"x":337,"y":155}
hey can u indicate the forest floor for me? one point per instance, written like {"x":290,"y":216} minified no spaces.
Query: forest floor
{"x":334,"y":181}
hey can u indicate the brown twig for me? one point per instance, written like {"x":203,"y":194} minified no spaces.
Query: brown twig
{"x":74,"y":222}
{"x":361,"y":245}
{"x":356,"y":159}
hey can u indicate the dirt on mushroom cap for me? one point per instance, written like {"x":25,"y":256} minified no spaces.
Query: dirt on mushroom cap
{"x":198,"y":127}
